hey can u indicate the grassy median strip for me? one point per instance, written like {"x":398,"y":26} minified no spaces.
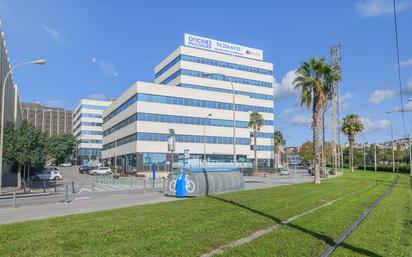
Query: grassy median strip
{"x":387,"y":231}
{"x":196,"y":226}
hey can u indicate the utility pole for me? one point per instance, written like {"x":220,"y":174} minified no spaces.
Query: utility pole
{"x":364,"y":154}
{"x":376,"y":168}
{"x":393,"y":150}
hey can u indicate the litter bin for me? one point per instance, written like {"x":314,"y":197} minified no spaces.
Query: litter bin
{"x":181,"y":184}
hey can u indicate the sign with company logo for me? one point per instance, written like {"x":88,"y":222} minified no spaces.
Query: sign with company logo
{"x":223,"y":47}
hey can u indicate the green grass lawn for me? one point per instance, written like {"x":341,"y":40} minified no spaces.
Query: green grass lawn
{"x":196,"y":226}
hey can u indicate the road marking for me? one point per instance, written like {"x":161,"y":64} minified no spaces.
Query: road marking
{"x":82,"y":198}
{"x":84,"y":189}
{"x":265,"y":231}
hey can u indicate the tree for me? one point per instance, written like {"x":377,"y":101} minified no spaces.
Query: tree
{"x":60,"y":147}
{"x":10,"y":149}
{"x":315,"y":79}
{"x":255,"y":123}
{"x":350,"y":126}
{"x":31,"y":145}
{"x":277,"y":142}
{"x":306,"y":152}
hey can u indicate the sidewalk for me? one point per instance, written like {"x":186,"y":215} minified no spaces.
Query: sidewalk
{"x":87,"y":204}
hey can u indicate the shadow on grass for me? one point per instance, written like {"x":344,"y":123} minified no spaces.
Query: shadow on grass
{"x":324,"y":238}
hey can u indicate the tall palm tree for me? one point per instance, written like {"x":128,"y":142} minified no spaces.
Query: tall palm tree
{"x":277,"y":142}
{"x":315,"y":80}
{"x":350,"y":126}
{"x":255,"y":123}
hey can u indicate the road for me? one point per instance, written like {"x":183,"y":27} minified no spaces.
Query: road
{"x":44,"y":206}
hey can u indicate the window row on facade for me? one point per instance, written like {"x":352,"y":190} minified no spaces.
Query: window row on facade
{"x":215,"y":89}
{"x":176,"y":119}
{"x":142,"y":136}
{"x":186,"y":102}
{"x":206,"y":61}
{"x":221,"y":77}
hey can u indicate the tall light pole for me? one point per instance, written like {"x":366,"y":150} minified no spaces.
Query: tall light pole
{"x":206,"y":75}
{"x":393,"y":150}
{"x":204,"y":138}
{"x":3,"y":93}
{"x":364,"y":153}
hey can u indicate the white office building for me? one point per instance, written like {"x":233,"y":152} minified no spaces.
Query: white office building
{"x":87,"y":129}
{"x":192,"y":95}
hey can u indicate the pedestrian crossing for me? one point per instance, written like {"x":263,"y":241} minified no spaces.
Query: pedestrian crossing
{"x":106,"y":188}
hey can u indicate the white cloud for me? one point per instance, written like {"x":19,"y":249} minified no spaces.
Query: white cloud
{"x":106,"y":67}
{"x":299,"y":120}
{"x":286,"y":112}
{"x":344,"y":100}
{"x":378,"y":96}
{"x":406,"y":107}
{"x":51,"y":31}
{"x":371,"y":8}
{"x":96,"y":96}
{"x":375,"y":126}
{"x":407,"y":62}
{"x":286,"y":88}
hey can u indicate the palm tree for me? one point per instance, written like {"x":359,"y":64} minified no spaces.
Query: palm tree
{"x":255,"y":123}
{"x":315,"y":80}
{"x":277,"y":142}
{"x":350,"y":126}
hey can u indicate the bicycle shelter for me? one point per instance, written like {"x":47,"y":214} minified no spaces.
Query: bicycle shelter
{"x":207,"y":181}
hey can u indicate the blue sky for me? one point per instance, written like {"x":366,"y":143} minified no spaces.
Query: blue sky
{"x":99,"y":48}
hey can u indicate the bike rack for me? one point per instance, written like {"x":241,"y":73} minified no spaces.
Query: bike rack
{"x":208,"y":181}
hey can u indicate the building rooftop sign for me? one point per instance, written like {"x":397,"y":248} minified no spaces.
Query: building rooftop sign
{"x":223,"y":47}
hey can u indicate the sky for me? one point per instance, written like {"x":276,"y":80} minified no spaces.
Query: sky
{"x":97,"y":49}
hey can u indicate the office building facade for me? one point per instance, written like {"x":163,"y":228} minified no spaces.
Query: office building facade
{"x":12,"y":110}
{"x":192,"y":95}
{"x":87,"y":129}
{"x":51,"y":120}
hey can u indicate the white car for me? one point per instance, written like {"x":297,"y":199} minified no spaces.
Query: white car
{"x":101,"y":171}
{"x":67,"y":164}
{"x":284,"y":171}
{"x":48,"y":174}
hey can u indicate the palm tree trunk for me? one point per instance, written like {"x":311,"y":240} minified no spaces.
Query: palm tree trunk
{"x":255,"y":171}
{"x":351,"y":141}
{"x":316,"y":138}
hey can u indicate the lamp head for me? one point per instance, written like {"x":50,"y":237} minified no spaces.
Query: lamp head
{"x":40,"y":62}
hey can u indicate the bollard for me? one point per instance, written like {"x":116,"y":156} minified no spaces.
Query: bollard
{"x":24,"y":186}
{"x":92,"y":190}
{"x":73,"y":187}
{"x":164,"y":184}
{"x":113,"y":181}
{"x":44,"y":186}
{"x":14,"y":198}
{"x":97,"y":179}
{"x":131,"y":181}
{"x":144,"y":186}
{"x":55,"y":186}
{"x":66,"y":194}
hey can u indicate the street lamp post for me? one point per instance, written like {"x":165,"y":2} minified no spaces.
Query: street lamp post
{"x":233,"y":109}
{"x":393,"y":150}
{"x":204,"y":138}
{"x":364,"y":154}
{"x":40,"y":62}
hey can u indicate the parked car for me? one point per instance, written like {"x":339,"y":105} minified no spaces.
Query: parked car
{"x":48,"y":174}
{"x":84,"y":169}
{"x":100,"y":171}
{"x":66,"y":164}
{"x":284,"y":171}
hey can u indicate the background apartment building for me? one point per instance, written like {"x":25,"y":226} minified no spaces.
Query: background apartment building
{"x":12,"y":111}
{"x":52,"y":120}
{"x":196,"y":106}
{"x":87,"y":129}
